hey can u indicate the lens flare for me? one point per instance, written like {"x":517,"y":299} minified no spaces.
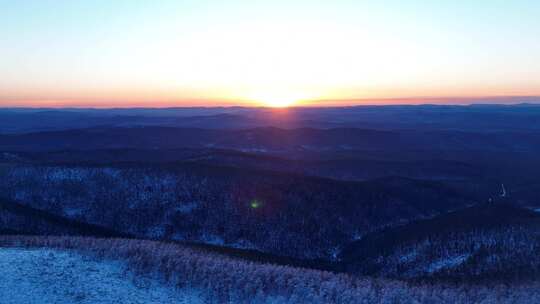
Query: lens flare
{"x":255,"y":204}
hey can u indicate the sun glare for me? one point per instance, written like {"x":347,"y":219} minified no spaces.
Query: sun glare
{"x":277,"y":100}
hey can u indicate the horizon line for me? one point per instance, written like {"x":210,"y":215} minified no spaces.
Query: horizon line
{"x":308,"y":103}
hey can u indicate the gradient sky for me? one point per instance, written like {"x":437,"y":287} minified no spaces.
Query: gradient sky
{"x":166,"y":53}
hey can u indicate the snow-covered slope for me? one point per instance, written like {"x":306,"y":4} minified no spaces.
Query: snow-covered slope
{"x":48,"y":276}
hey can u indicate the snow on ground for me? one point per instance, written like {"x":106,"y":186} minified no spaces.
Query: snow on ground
{"x":447,"y":263}
{"x":48,"y":276}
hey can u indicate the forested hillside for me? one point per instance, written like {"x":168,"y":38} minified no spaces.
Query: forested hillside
{"x":488,"y":242}
{"x":214,"y":278}
{"x":277,"y":213}
{"x":20,"y":219}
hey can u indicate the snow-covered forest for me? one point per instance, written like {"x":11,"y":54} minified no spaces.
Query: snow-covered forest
{"x":214,"y":278}
{"x":288,"y":215}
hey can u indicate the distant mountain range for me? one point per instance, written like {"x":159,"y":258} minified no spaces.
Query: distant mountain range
{"x":274,"y":140}
{"x":475,"y":118}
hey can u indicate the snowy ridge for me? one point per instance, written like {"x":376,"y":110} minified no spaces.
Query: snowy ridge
{"x":139,"y":271}
{"x":50,"y":276}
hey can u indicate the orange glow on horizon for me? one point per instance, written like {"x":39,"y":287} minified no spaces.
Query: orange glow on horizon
{"x":262,"y":96}
{"x":269,"y":101}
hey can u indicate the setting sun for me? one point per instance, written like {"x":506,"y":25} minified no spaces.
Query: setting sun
{"x":277,"y":99}
{"x":277,"y":102}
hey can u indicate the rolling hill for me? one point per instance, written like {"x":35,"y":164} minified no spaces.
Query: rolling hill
{"x":483,"y":242}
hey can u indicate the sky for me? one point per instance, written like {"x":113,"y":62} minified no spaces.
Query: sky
{"x":105,"y":53}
